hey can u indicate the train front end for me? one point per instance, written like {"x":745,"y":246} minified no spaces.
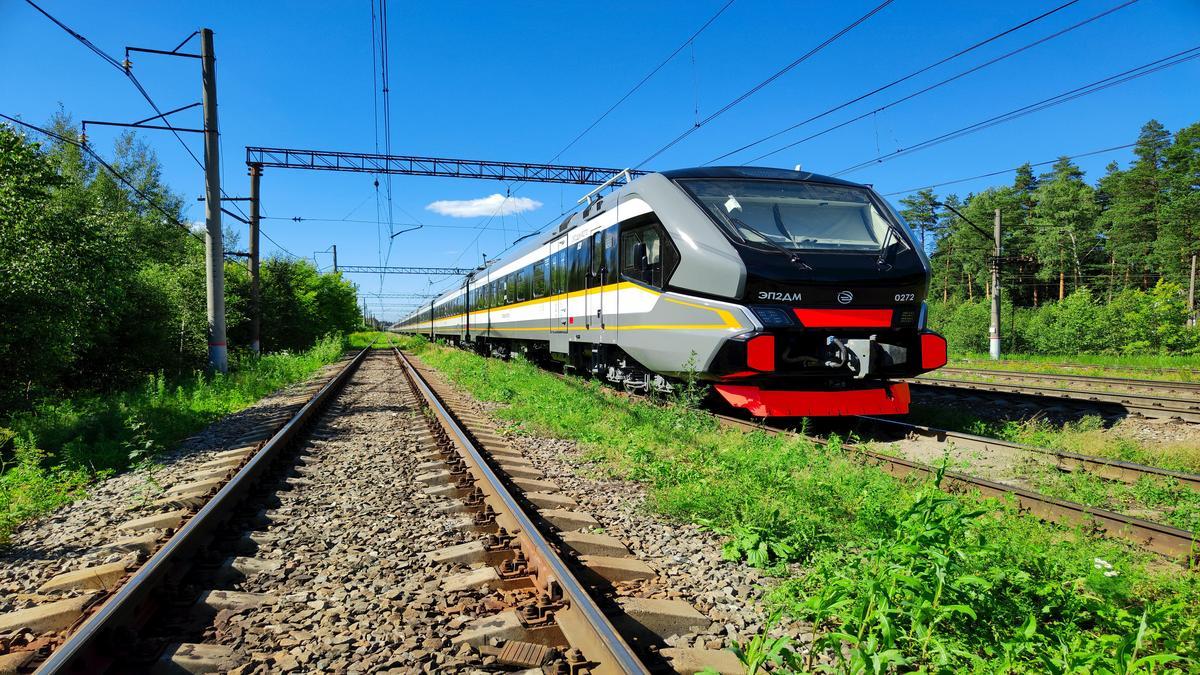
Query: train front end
{"x":836,"y":282}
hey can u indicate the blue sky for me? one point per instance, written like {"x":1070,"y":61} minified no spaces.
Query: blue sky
{"x":509,"y":81}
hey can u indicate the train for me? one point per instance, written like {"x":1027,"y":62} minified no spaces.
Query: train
{"x":788,"y":293}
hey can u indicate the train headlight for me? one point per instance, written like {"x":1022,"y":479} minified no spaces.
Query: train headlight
{"x":773,"y":317}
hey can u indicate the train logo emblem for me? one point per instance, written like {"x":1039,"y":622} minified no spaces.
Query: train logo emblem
{"x":845,"y":297}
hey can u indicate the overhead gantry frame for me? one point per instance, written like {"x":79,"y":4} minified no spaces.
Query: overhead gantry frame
{"x":258,"y":158}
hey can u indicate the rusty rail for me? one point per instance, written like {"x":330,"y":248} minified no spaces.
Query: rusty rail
{"x":1186,"y":409}
{"x":581,"y":620}
{"x":1102,"y":467}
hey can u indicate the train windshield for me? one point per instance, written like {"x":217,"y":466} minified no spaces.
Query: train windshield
{"x":795,"y":215}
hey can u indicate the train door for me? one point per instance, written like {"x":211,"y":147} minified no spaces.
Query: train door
{"x":558,"y":296}
{"x":464,"y":308}
{"x":578,"y":277}
{"x":594,"y":282}
{"x":610,"y":274}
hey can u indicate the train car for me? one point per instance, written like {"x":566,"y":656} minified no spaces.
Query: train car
{"x":789,"y":292}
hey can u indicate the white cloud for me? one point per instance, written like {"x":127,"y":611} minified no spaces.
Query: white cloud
{"x":496,"y":204}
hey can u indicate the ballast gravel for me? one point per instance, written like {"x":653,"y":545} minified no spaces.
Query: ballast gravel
{"x":355,"y":590}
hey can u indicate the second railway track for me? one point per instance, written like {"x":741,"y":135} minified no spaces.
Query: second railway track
{"x":1149,"y":398}
{"x":1160,"y":538}
{"x":1102,"y":467}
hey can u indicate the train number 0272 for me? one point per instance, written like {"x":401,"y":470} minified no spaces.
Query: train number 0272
{"x":906,"y":297}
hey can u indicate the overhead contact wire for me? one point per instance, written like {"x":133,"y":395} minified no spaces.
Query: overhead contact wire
{"x":909,"y":76}
{"x":934,"y":86}
{"x":756,"y":88}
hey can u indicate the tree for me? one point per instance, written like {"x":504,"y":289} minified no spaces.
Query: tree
{"x":1133,"y":202}
{"x":1179,"y":233}
{"x":99,"y":288}
{"x":1064,"y":222}
{"x":921,"y":214}
{"x":300,"y":305}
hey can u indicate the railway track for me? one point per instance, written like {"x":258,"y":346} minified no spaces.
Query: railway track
{"x":1160,"y":538}
{"x":549,"y":573}
{"x":1122,"y":384}
{"x":1102,"y":467}
{"x":1149,"y":398}
{"x":1166,"y":540}
{"x":1188,"y":372}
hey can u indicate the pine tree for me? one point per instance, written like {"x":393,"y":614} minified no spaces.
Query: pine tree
{"x":1064,"y":222}
{"x":1134,"y":201}
{"x":921,"y":214}
{"x":1179,"y":233}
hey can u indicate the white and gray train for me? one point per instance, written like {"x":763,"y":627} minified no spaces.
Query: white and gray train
{"x":789,"y":292}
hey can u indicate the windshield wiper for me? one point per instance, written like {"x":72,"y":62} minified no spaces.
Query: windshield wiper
{"x":792,"y":255}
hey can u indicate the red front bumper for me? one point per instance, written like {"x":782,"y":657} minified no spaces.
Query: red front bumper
{"x":889,"y":399}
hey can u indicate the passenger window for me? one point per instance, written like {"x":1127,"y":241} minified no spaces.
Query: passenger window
{"x":577,"y":280}
{"x":522,"y":284}
{"x":539,"y":279}
{"x":610,"y":252}
{"x":558,"y":273}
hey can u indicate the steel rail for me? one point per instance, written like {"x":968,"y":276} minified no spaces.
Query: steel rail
{"x":1163,"y":539}
{"x":1103,"y":467}
{"x":1087,"y":366}
{"x":1150,"y":406}
{"x":93,"y":643}
{"x":1167,"y":386}
{"x":582,"y":621}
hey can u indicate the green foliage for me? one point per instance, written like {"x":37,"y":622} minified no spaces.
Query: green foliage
{"x":1135,"y":226}
{"x":29,"y":488}
{"x":763,"y":650}
{"x":98,"y":289}
{"x":381,"y":339}
{"x":1135,"y":322}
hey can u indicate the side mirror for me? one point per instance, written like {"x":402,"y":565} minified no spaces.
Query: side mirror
{"x":639,"y":255}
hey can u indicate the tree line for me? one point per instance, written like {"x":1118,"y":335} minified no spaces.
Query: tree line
{"x":1136,"y":229}
{"x":99,"y":288}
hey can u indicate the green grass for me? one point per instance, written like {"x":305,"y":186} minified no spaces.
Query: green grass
{"x":889,"y":571}
{"x":1150,"y":367}
{"x":382,"y":339}
{"x":50,"y":453}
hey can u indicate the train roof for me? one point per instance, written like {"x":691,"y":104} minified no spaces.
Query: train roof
{"x":586,"y":212}
{"x":580,"y":216}
{"x":754,"y":172}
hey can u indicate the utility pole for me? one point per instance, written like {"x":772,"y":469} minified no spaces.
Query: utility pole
{"x":255,"y":306}
{"x":218,"y":353}
{"x":334,"y":247}
{"x":994,"y":335}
